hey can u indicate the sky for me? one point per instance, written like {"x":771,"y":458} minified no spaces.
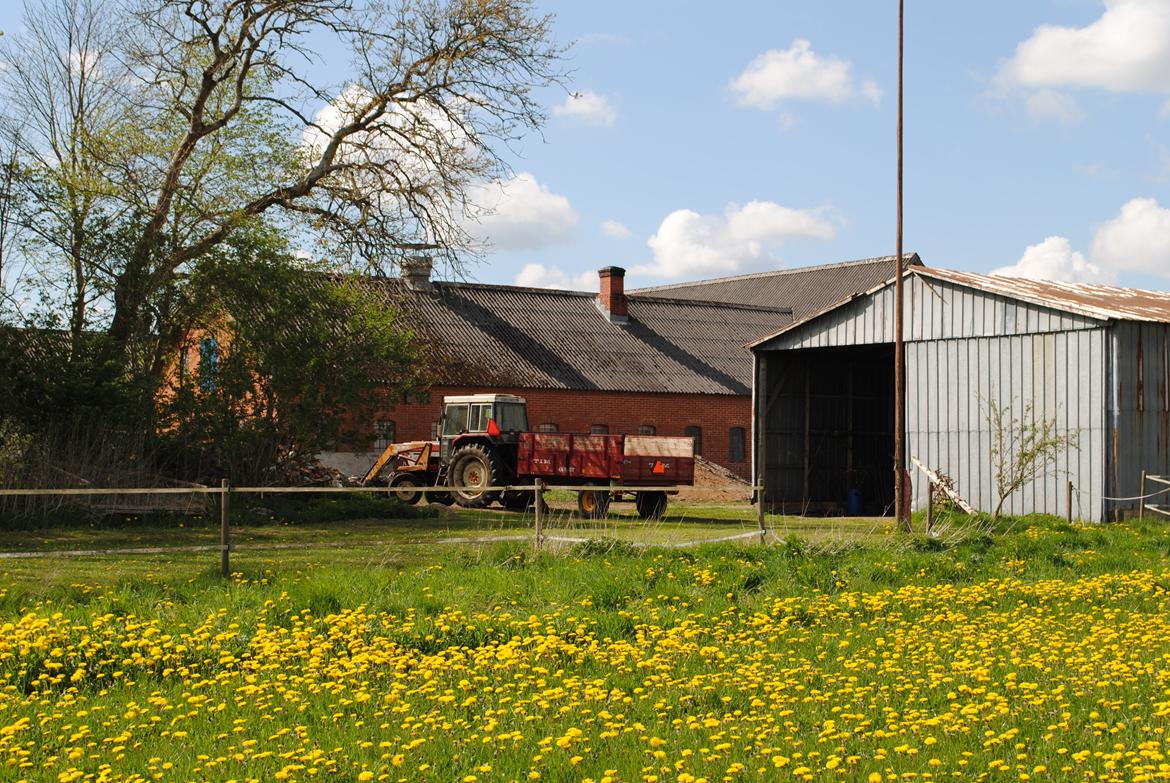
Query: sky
{"x":697,"y":140}
{"x":724,"y":138}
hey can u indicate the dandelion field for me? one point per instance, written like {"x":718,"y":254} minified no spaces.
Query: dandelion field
{"x":1037,"y":653}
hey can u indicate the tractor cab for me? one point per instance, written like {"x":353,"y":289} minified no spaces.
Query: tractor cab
{"x":500,"y":418}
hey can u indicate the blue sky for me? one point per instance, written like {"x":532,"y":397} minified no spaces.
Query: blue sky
{"x":1003,"y":150}
{"x":722,"y":138}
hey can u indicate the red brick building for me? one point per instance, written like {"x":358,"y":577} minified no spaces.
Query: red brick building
{"x":668,"y":360}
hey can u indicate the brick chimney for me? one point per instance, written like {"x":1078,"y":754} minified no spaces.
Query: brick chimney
{"x":612,"y":299}
{"x":416,"y":272}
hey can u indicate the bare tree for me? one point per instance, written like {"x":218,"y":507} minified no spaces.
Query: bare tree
{"x":1023,"y":448}
{"x":223,"y":119}
{"x":58,"y":91}
{"x":8,"y":147}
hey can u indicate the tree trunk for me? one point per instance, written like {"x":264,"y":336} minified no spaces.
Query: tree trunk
{"x":80,"y":286}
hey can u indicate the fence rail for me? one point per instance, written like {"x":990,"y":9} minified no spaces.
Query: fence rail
{"x":1143,"y":506}
{"x":226,"y":490}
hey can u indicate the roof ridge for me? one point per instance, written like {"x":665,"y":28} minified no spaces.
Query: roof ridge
{"x":709,"y":303}
{"x":909,"y":255}
{"x":509,"y":287}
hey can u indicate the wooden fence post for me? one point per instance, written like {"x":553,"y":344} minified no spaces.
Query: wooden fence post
{"x":225,"y":568}
{"x":760,"y":514}
{"x":539,"y":507}
{"x":929,"y":507}
{"x":1142,"y":499}
{"x":1069,"y":501}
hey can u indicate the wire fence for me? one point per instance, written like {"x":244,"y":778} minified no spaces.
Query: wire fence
{"x":549,"y":520}
{"x":552,"y":520}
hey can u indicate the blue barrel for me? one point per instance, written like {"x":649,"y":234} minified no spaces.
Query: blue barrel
{"x":853,"y":502}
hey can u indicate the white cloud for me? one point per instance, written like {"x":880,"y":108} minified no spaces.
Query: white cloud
{"x":1051,"y":104}
{"x":743,"y":237}
{"x":1053,"y":259}
{"x":520,"y":214}
{"x":615,"y":229}
{"x":800,"y":73}
{"x":1137,"y":240}
{"x":408,"y":137}
{"x":1126,"y":50}
{"x":589,"y":107}
{"x":541,"y":276}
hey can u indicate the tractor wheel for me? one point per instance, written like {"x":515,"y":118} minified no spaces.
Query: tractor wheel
{"x":473,"y":469}
{"x":651,"y":505}
{"x":406,"y":487}
{"x":518,"y":499}
{"x":593,"y":504}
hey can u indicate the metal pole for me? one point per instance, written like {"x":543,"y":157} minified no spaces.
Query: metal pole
{"x":225,"y":528}
{"x":1142,"y":499}
{"x":899,"y":348}
{"x":760,"y":513}
{"x":929,"y":507}
{"x":539,"y":510}
{"x":1069,"y":501}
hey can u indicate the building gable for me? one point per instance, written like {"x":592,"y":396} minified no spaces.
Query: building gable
{"x":935,"y":309}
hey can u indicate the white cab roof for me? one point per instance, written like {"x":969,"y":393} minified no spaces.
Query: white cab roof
{"x":485,"y":398}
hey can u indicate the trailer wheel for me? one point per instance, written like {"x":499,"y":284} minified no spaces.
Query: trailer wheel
{"x":651,"y":505}
{"x":474,"y":468}
{"x":407,"y":488}
{"x":593,"y":503}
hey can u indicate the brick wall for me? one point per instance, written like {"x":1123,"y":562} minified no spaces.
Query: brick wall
{"x":622,"y":412}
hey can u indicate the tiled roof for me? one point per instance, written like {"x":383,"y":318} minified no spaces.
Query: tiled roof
{"x":495,"y":335}
{"x":807,"y":290}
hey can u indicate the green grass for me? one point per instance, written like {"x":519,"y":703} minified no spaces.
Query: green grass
{"x":1033,"y":649}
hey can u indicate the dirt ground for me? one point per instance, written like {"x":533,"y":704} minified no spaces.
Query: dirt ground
{"x":716,"y":484}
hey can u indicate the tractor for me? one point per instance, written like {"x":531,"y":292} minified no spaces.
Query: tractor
{"x":485,"y":448}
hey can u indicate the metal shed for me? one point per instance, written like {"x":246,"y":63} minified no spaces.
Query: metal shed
{"x":1095,"y":358}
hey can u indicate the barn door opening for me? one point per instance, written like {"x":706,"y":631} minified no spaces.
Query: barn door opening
{"x":829,"y":430}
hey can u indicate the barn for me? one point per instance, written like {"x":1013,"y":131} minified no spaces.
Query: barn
{"x":1096,"y":359}
{"x":667,"y":360}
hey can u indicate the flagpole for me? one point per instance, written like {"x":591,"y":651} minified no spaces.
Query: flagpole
{"x":900,"y":514}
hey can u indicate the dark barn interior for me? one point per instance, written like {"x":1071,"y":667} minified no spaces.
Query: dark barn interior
{"x":829,"y":430}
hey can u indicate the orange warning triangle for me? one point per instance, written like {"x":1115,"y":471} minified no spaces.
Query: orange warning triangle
{"x":658,"y":467}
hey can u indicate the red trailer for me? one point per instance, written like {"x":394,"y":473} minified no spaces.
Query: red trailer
{"x":484,"y":442}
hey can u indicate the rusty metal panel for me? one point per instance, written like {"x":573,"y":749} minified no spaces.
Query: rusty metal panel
{"x":1095,"y":301}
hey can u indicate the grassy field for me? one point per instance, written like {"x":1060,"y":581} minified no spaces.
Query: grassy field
{"x":1038,"y":651}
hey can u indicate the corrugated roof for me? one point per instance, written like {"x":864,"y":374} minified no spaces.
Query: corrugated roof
{"x":1095,"y":301}
{"x":807,"y":290}
{"x":1104,"y":302}
{"x":495,"y":335}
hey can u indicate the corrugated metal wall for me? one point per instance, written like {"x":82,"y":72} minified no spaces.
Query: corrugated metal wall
{"x":949,"y":384}
{"x":965,"y":347}
{"x":1139,"y":408}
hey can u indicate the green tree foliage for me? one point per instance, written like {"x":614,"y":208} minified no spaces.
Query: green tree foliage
{"x":145,"y":144}
{"x":284,"y":352}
